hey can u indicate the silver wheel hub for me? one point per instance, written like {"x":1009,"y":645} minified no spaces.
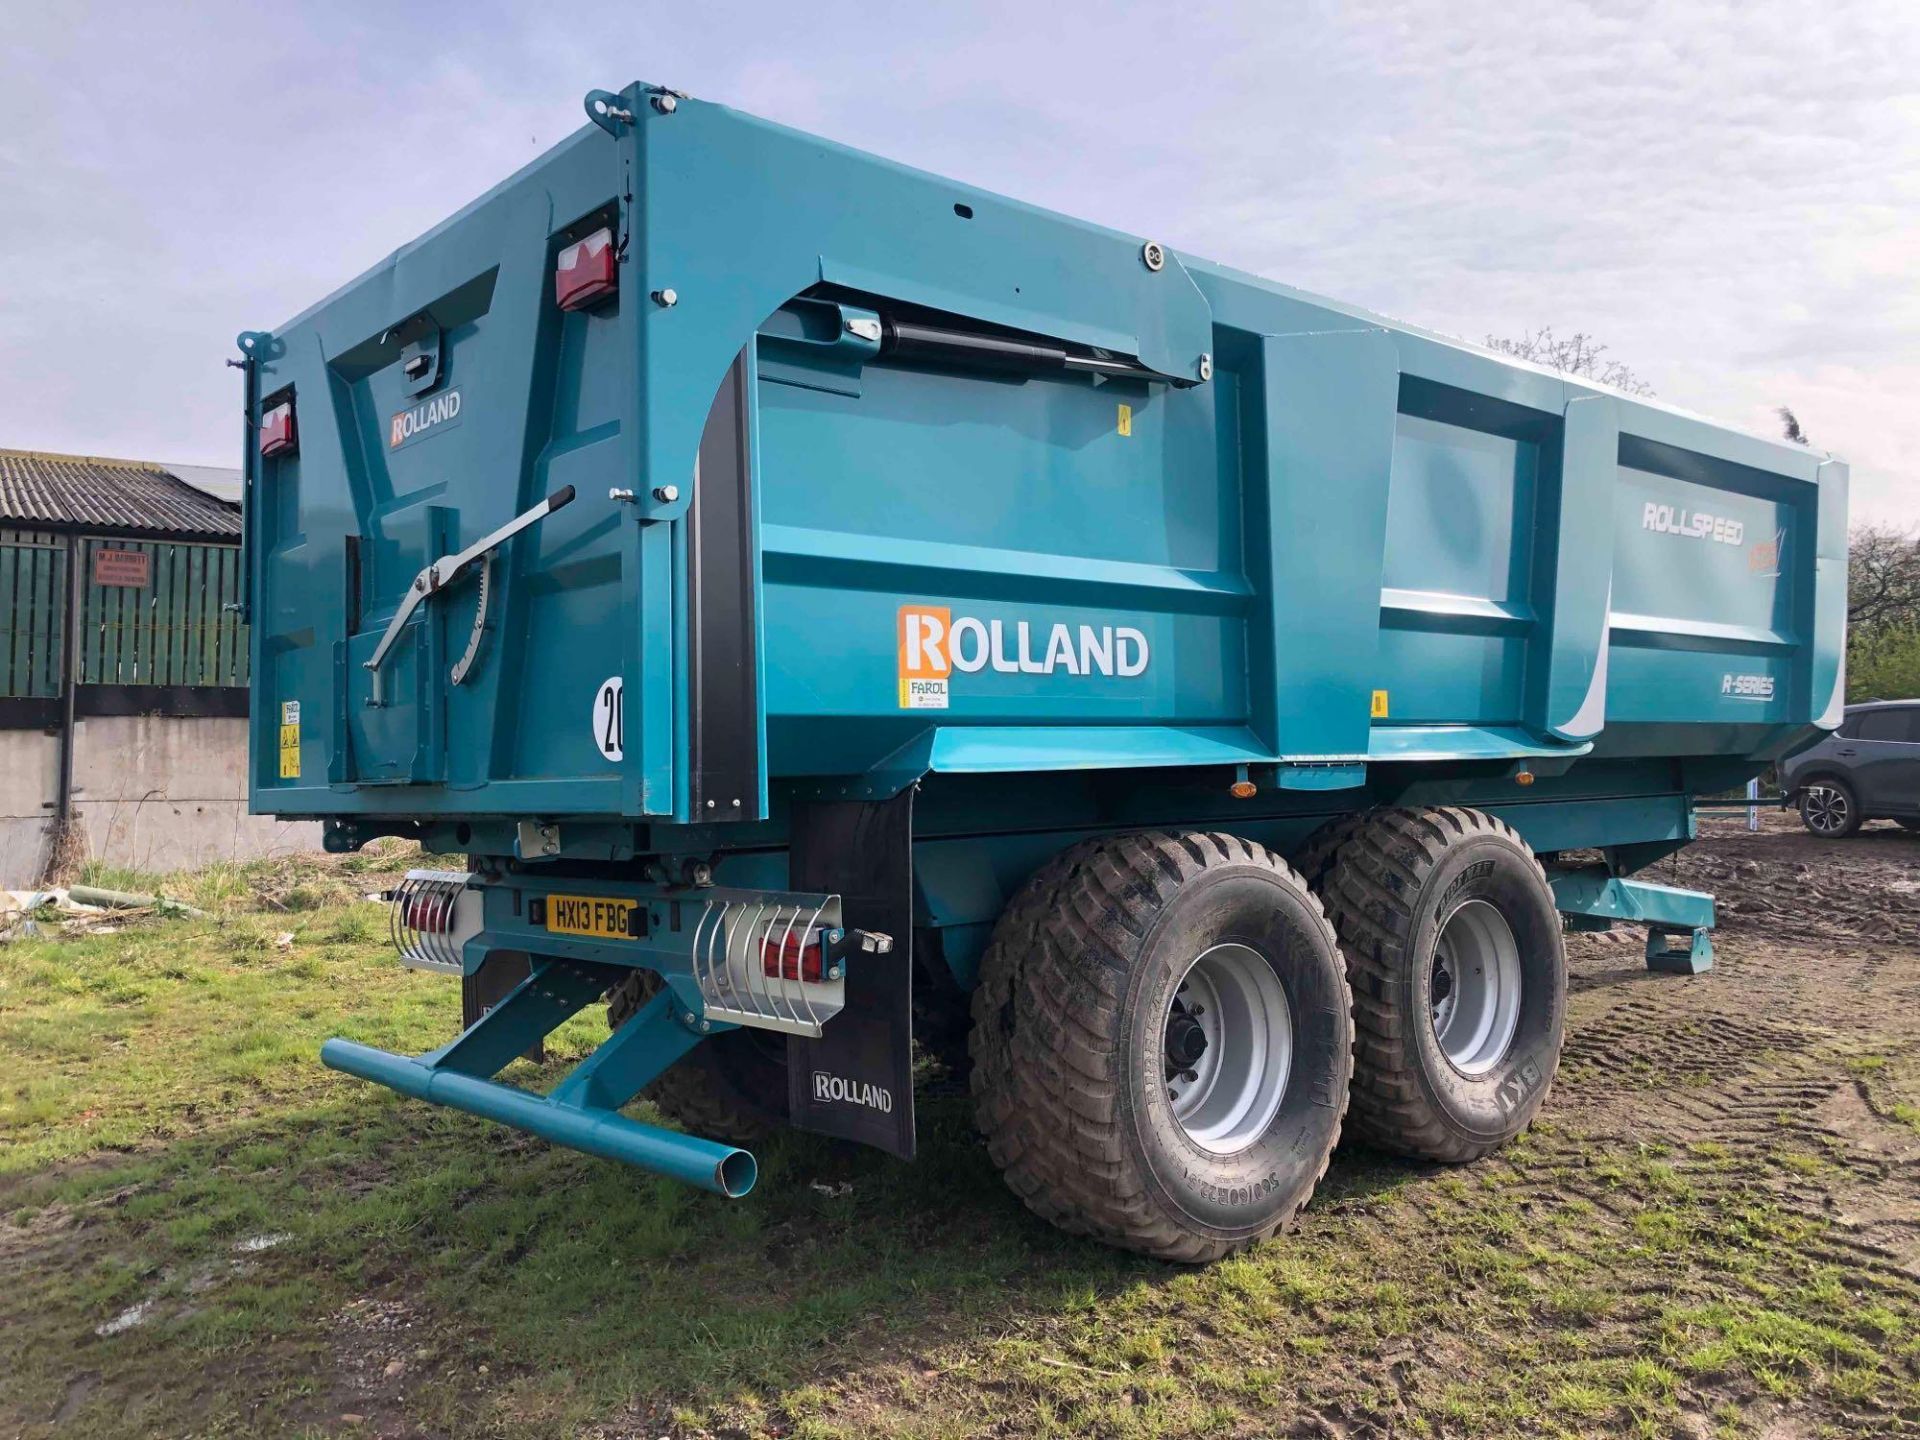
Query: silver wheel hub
{"x":1227,"y":1048}
{"x":1476,"y":988}
{"x":1826,"y":810}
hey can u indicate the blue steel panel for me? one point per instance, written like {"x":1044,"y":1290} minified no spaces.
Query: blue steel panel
{"x":1569,"y":697}
{"x":1458,"y":567}
{"x":1702,"y":622}
{"x":1460,"y":516}
{"x":1330,"y":406}
{"x":1825,"y":663}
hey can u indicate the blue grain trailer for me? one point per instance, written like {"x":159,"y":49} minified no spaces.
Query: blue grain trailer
{"x":837,"y":612}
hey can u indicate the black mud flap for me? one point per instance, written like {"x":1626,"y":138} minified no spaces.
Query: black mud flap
{"x":856,"y":1080}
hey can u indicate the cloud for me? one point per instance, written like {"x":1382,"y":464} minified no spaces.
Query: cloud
{"x":1729,"y":195}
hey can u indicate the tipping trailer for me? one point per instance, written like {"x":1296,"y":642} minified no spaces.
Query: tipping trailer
{"x":833,"y":609}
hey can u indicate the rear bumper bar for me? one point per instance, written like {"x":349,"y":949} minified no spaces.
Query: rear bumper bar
{"x":612,"y":1136}
{"x":582,"y":1111}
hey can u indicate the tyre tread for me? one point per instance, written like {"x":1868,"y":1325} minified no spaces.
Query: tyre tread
{"x":1048,"y":1030}
{"x":1368,"y":888}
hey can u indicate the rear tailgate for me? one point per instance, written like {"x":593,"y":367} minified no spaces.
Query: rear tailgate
{"x":436,"y":398}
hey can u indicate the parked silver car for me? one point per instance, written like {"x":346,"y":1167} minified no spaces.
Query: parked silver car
{"x":1868,"y":769}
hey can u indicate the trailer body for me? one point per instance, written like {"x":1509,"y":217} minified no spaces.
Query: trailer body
{"x":880,"y":536}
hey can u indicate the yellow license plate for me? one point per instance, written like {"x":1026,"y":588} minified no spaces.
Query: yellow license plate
{"x":595,"y":916}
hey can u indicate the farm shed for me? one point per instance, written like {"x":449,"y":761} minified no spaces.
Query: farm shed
{"x":124,"y":732}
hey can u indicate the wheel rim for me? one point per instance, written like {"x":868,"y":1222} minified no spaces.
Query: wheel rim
{"x":1476,"y":988}
{"x":1826,"y":810}
{"x":1227,"y":1048}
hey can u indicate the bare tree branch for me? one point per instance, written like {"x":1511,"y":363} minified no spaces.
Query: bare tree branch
{"x":1576,"y":354}
{"x":1883,"y":579}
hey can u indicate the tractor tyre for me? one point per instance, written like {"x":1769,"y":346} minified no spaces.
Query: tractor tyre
{"x":1316,"y":854}
{"x":730,"y":1087}
{"x":1454,"y":950}
{"x":1162,"y":1042}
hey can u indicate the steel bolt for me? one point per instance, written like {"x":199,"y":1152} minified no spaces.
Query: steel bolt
{"x":666,"y":299}
{"x":619,"y":494}
{"x":665,"y":104}
{"x":1206,"y":367}
{"x":666,"y":494}
{"x":705,"y":1026}
{"x":1153,"y":256}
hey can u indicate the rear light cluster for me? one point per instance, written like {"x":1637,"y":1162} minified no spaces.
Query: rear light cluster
{"x":435,"y":913}
{"x":430,"y":911}
{"x":795,"y":956}
{"x":586,"y":273}
{"x":277,"y":435}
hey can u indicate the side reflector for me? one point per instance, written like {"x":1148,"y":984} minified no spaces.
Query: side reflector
{"x":277,"y":435}
{"x":586,"y":273}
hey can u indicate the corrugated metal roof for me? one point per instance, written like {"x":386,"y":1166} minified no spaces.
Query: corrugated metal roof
{"x":220,"y":481}
{"x":85,"y":491}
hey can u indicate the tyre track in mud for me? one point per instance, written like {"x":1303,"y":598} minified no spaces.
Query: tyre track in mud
{"x":1748,"y":1065}
{"x":1726,"y":1098}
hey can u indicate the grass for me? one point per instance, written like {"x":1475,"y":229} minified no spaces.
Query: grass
{"x":296,"y":1247}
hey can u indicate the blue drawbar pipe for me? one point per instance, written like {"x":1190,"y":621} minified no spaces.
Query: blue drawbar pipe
{"x":705,"y":1163}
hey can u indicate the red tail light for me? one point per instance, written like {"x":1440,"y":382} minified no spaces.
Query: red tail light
{"x":277,"y":435}
{"x":792,"y":957}
{"x":429,"y":912}
{"x":586,"y":273}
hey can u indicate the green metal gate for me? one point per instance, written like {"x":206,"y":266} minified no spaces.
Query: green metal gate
{"x":171,"y":628}
{"x":33,"y":587}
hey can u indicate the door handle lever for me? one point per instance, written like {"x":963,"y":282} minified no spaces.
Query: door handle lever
{"x":448,"y":568}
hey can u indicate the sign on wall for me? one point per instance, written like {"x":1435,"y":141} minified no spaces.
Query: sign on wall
{"x":132,"y":569}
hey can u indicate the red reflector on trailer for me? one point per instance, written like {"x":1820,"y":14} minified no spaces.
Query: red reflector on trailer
{"x":585,"y":273}
{"x":276,"y":430}
{"x":429,"y":912}
{"x":790,"y":957}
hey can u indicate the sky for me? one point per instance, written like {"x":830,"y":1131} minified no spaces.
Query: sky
{"x":1727,"y":195}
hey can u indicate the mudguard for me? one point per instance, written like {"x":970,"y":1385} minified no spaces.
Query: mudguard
{"x":856,"y":1080}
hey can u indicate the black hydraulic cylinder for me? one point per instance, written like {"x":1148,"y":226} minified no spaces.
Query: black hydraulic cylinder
{"x":968,"y":349}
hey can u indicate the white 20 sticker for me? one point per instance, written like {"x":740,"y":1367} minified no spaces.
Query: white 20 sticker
{"x":609,"y":717}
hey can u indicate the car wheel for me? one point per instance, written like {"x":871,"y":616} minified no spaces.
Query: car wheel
{"x":1829,"y":809}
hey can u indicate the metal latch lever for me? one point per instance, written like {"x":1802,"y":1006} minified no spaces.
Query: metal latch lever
{"x":447,"y":569}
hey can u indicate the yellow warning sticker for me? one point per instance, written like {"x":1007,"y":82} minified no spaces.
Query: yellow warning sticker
{"x":1126,"y":420}
{"x":1379,"y":704}
{"x":290,"y":740}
